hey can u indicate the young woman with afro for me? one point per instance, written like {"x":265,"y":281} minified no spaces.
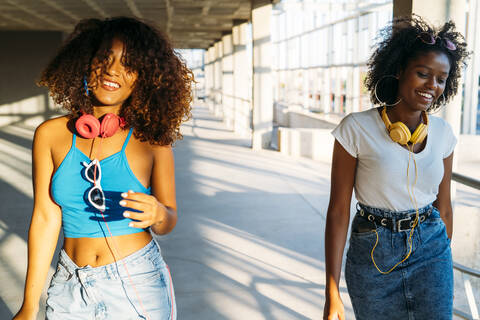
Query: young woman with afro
{"x":398,"y":159}
{"x":104,"y":174}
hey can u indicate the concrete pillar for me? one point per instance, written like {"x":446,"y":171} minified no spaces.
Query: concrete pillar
{"x":262,"y":78}
{"x":210,"y":77}
{"x":227,"y":82}
{"x":217,"y":67}
{"x":242,"y":74}
{"x":469,"y":116}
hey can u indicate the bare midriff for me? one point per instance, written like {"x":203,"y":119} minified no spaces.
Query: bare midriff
{"x":97,"y":252}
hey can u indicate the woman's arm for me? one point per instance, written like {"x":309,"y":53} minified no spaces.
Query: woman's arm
{"x":159,"y":210}
{"x":338,"y":218}
{"x":44,"y":226}
{"x":163,"y":188}
{"x":444,"y":202}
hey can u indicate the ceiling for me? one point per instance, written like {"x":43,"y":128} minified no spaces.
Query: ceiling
{"x":190,"y":23}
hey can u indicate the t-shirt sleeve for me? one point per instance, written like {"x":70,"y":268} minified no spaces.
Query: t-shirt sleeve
{"x":450,"y":141}
{"x":346,"y":135}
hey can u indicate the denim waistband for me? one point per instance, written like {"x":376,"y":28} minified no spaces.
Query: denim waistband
{"x":112,"y":270}
{"x":393,"y":214}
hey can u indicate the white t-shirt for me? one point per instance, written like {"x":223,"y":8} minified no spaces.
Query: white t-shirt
{"x":381,"y":175}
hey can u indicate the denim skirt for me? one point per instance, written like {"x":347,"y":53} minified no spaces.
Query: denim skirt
{"x":417,"y":289}
{"x":142,"y":290}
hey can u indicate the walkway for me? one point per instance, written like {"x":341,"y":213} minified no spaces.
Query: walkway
{"x":249,"y":241}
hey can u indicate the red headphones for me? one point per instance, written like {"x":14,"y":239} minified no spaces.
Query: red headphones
{"x":90,"y":127}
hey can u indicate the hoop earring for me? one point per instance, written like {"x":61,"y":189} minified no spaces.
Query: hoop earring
{"x":85,"y":85}
{"x":376,"y":96}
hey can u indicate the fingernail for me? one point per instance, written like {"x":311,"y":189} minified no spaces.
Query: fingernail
{"x":124,"y":195}
{"x":126,"y":214}
{"x":130,"y":224}
{"x":123,"y":202}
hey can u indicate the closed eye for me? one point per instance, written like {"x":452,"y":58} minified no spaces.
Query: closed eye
{"x":421,"y":74}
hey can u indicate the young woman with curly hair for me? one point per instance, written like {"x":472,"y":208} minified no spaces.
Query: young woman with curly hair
{"x":104,"y":173}
{"x":399,"y":161}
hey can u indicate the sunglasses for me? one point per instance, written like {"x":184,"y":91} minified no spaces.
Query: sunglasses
{"x":95,"y":195}
{"x":429,"y":38}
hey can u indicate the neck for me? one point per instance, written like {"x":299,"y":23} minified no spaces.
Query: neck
{"x":100,"y":111}
{"x":411,"y":118}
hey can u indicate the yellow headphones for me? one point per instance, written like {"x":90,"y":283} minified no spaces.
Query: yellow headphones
{"x":400,"y":133}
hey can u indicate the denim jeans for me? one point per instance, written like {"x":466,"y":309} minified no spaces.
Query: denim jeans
{"x":106,"y":292}
{"x":419,"y":288}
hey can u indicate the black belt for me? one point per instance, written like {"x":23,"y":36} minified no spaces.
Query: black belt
{"x":397,"y":224}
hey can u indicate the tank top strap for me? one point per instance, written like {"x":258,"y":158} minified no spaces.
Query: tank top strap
{"x":74,"y":141}
{"x":127,"y":139}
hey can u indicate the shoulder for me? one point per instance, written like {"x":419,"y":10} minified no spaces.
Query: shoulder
{"x":49,"y":130}
{"x":152,"y":150}
{"x":440,"y":126}
{"x":160,"y":151}
{"x":356,"y":119}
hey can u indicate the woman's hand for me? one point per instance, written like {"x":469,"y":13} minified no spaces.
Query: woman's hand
{"x":153,"y":212}
{"x":333,"y":309}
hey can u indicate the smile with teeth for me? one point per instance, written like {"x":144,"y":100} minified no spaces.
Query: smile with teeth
{"x":111,"y":84}
{"x":425,"y":95}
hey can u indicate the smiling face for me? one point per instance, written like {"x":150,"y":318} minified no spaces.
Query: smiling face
{"x":423,"y":80}
{"x":117,"y":83}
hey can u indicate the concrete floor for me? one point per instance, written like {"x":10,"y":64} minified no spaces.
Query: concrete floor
{"x":249,"y":239}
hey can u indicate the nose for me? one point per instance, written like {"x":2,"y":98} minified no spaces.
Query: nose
{"x":113,"y":68}
{"x":431,"y":83}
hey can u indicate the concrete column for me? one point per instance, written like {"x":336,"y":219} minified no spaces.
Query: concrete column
{"x":469,"y":117}
{"x":262,"y":78}
{"x":227,"y":82}
{"x":210,"y":77}
{"x":356,"y":80}
{"x":242,"y":69}
{"x":217,"y":66}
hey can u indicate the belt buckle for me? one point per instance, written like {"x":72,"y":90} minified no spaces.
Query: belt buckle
{"x":399,"y":224}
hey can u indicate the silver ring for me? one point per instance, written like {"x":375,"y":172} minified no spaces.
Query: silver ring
{"x":372,"y":218}
{"x":383,"y":222}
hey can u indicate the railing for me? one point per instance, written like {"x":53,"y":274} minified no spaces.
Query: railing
{"x":474,"y":315}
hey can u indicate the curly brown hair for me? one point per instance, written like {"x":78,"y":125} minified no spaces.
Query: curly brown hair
{"x":399,"y":43}
{"x":161,"y":98}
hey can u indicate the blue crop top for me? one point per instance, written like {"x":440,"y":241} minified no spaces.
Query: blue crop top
{"x":70,"y":188}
